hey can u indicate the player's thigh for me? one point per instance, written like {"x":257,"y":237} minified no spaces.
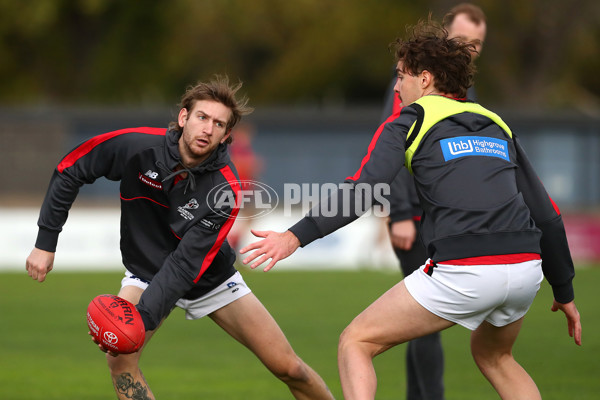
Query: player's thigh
{"x":249,"y":322}
{"x":394,"y":318}
{"x":492,"y":341}
{"x":131,"y":293}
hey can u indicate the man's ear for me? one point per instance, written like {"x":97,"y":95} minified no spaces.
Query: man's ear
{"x":226,"y":136}
{"x":426,"y":79}
{"x":183,"y":116}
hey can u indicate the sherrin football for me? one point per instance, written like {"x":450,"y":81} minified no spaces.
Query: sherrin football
{"x":116,"y":324}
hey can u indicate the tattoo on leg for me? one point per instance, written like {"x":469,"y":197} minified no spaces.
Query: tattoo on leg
{"x":127,"y":386}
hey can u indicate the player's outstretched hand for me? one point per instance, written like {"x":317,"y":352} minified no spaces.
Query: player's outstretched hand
{"x":573,"y":319}
{"x":39,"y":263}
{"x":275,"y":246}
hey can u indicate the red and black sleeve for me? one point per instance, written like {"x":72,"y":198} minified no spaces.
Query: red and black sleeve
{"x":101,"y":156}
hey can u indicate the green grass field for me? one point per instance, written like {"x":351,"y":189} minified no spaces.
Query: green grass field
{"x":45,"y":352}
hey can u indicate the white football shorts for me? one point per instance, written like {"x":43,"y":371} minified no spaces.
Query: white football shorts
{"x":470,"y":294}
{"x":228,"y":292}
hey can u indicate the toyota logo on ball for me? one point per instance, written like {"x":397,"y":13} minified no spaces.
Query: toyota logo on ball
{"x":110,"y":337}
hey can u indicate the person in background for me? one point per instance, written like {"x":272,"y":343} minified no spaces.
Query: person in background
{"x":425,"y":355}
{"x":249,"y":166}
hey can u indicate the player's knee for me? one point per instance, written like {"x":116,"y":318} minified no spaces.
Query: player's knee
{"x":292,"y":370}
{"x":353,"y":339}
{"x":348,"y":339}
{"x":488,"y":360}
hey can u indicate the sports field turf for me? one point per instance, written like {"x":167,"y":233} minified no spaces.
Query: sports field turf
{"x":45,"y":352}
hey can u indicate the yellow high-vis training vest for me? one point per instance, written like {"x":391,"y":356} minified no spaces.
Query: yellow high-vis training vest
{"x":435,"y":108}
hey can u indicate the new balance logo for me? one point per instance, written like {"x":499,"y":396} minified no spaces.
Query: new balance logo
{"x":151,"y":174}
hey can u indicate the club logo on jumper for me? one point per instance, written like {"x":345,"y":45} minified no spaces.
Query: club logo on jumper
{"x":256,"y":198}
{"x":149,"y":178}
{"x":463,"y":146}
{"x":192,"y":204}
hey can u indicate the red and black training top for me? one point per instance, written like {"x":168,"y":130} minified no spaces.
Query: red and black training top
{"x":173,"y":233}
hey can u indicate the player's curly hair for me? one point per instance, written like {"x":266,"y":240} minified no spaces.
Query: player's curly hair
{"x":428,"y":47}
{"x":218,"y":89}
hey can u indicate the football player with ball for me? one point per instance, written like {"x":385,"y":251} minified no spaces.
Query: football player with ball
{"x":173,"y":238}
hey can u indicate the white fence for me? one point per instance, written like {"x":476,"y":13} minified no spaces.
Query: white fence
{"x":90,"y":241}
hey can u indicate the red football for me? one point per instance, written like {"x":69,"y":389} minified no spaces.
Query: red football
{"x":116,"y":324}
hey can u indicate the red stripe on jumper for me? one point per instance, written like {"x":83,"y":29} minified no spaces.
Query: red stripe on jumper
{"x":90,"y":144}
{"x":395,"y":113}
{"x":235,"y":186}
{"x":554,"y":205}
{"x":142,"y":198}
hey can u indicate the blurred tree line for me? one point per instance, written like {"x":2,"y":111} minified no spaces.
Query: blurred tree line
{"x":539,"y":54}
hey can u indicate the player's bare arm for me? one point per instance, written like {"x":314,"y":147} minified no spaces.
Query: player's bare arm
{"x":39,"y":263}
{"x":573,"y":319}
{"x":275,"y":246}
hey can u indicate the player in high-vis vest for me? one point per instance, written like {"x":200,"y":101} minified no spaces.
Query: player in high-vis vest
{"x":424,"y":358}
{"x":487,"y":224}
